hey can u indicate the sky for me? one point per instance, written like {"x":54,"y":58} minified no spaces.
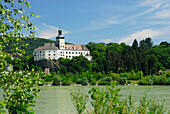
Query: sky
{"x":117,"y":21}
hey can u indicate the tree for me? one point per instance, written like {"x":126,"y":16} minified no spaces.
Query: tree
{"x":19,"y":88}
{"x":135,"y":44}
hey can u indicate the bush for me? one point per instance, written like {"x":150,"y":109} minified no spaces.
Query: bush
{"x":83,"y":81}
{"x":93,"y":82}
{"x":48,"y":78}
{"x":103,"y":83}
{"x":122,"y":80}
{"x":146,"y":81}
{"x":168,"y":74}
{"x":103,"y":79}
{"x":109,"y":79}
{"x":168,"y":81}
{"x":114,"y":76}
{"x":160,"y":80}
{"x":129,"y":82}
{"x":66,"y":83}
{"x":56,"y":81}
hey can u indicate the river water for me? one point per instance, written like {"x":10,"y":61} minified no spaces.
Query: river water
{"x":57,"y":100}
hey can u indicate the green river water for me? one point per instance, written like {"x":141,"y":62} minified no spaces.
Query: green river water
{"x":57,"y":100}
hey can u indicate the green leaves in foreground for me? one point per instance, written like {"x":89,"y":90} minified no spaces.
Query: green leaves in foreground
{"x":106,"y":101}
{"x":79,"y":100}
{"x":20,"y":89}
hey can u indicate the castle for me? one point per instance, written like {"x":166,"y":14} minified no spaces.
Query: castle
{"x":60,"y":49}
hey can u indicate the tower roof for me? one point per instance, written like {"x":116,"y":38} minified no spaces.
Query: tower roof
{"x":60,"y":36}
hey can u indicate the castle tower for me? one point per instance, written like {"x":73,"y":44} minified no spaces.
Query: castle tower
{"x":60,"y":41}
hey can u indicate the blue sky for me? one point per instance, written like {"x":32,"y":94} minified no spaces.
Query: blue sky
{"x":105,"y":21}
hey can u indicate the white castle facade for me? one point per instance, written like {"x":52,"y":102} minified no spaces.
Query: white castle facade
{"x":60,"y":49}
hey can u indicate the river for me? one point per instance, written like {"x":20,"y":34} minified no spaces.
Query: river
{"x":57,"y":100}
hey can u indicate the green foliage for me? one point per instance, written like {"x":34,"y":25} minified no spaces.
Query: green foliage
{"x":106,"y":101}
{"x":48,"y":78}
{"x":94,"y":82}
{"x":160,"y":80}
{"x":19,"y":88}
{"x":83,"y":81}
{"x":120,"y":58}
{"x":57,"y":80}
{"x":114,"y":76}
{"x":103,"y":83}
{"x":168,"y":74}
{"x":79,"y":100}
{"x":66,"y":82}
{"x":108,"y":79}
{"x":122,"y":80}
{"x":146,"y":81}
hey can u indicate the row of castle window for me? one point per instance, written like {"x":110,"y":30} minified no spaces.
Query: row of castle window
{"x":69,"y":56}
{"x":67,"y":53}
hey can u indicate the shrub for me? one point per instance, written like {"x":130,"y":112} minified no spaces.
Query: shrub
{"x":168,"y":74}
{"x":93,"y":82}
{"x":129,"y":82}
{"x":160,"y":80}
{"x":103,"y":79}
{"x":103,"y":83}
{"x":114,"y":76}
{"x":66,"y":83}
{"x":122,"y":80}
{"x":83,"y":81}
{"x":146,"y":81}
{"x":168,"y":81}
{"x":125,"y":74}
{"x":57,"y":81}
{"x":109,"y":79}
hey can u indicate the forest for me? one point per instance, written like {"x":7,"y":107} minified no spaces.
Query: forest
{"x":110,"y":62}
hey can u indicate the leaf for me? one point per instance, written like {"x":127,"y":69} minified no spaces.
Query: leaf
{"x":37,"y":15}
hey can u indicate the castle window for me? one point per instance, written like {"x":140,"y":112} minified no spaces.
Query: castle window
{"x":72,"y":52}
{"x":49,"y":57}
{"x":54,"y":54}
{"x":40,"y":51}
{"x":49,"y":51}
{"x":69,"y":52}
{"x":43,"y":54}
{"x":61,"y":52}
{"x":79,"y":52}
{"x":54,"y":51}
{"x":76,"y":52}
{"x":69,"y":56}
{"x":66,"y":52}
{"x":66,"y":56}
{"x":49,"y":54}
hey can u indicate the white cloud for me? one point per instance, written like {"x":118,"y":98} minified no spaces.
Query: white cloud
{"x":140,"y":35}
{"x":159,"y":23}
{"x":100,"y":24}
{"x":151,"y":2}
{"x":105,"y":40}
{"x":156,"y":6}
{"x":162,"y":14}
{"x":48,"y":31}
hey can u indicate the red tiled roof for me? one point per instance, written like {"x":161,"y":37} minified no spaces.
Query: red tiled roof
{"x":75,"y":47}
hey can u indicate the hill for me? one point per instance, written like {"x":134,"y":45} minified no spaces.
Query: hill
{"x":33,"y":44}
